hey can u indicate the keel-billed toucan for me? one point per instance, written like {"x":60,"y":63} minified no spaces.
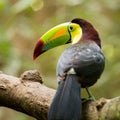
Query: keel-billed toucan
{"x":80,"y":65}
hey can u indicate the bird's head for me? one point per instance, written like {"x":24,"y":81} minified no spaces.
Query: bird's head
{"x":69,"y":32}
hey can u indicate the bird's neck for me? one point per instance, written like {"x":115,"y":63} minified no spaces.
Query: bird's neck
{"x":91,"y":35}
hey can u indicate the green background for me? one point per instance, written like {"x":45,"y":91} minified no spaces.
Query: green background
{"x":22,"y":22}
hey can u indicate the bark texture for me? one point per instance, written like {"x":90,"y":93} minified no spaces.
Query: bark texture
{"x":28,"y":95}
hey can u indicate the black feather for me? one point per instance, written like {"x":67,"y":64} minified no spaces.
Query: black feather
{"x":67,"y":101}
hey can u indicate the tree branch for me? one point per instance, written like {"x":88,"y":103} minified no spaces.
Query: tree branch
{"x":27,"y":95}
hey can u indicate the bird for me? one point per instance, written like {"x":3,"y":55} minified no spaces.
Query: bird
{"x":79,"y":66}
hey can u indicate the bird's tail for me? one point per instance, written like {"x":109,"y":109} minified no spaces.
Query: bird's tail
{"x":66,"y":104}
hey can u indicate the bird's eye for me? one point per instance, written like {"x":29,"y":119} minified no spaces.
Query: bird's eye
{"x":71,"y":28}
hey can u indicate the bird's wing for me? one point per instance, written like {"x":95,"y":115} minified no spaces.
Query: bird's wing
{"x":86,"y":58}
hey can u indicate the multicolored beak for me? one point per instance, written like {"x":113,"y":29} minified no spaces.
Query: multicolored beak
{"x":59,"y":35}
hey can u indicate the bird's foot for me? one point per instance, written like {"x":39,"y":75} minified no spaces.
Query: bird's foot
{"x":90,"y":98}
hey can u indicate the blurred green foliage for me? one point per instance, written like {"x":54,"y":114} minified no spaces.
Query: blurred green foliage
{"x":22,"y":22}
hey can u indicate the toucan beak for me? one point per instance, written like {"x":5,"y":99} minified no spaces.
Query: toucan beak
{"x":59,"y":35}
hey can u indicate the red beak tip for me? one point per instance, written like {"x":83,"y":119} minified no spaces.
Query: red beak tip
{"x":34,"y":58}
{"x":38,"y":49}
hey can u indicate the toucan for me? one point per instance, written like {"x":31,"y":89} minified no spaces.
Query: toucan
{"x":79,"y":66}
